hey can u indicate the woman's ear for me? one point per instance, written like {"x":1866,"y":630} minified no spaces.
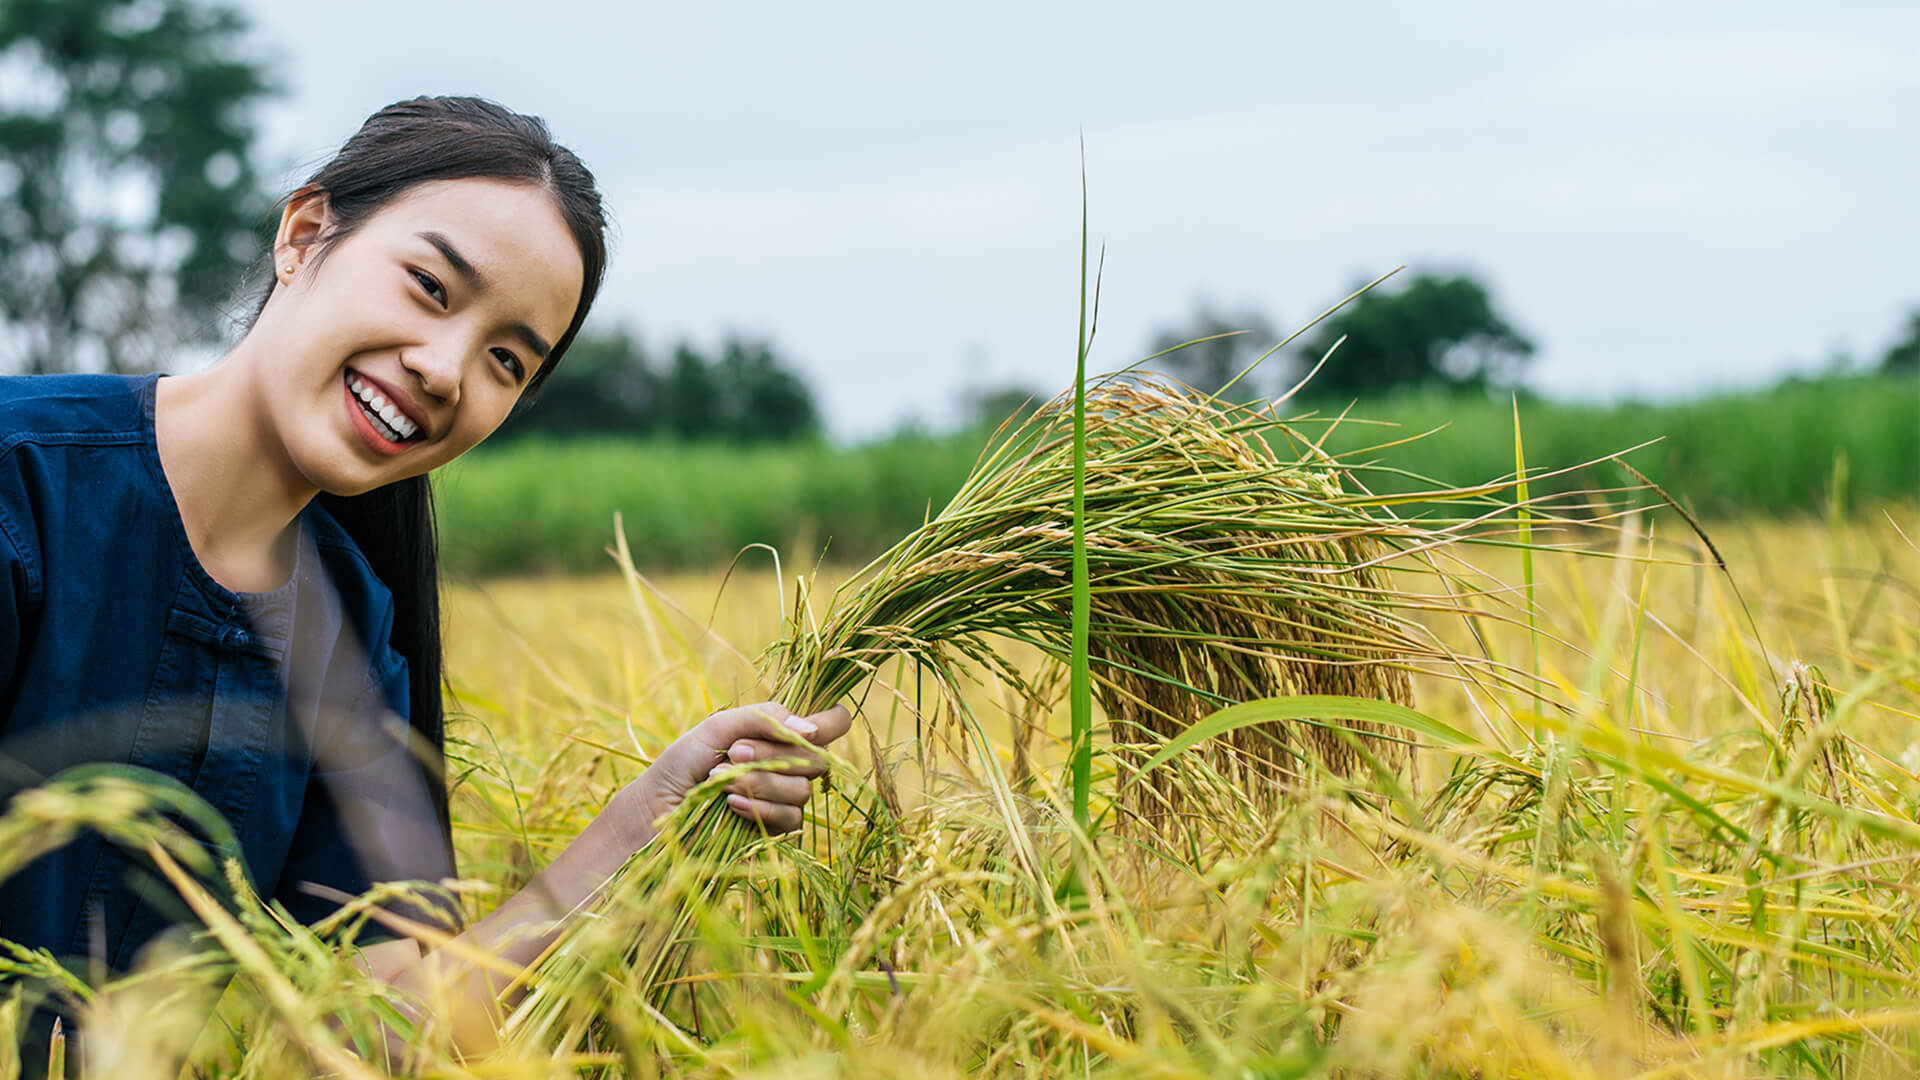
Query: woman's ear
{"x":306,"y":219}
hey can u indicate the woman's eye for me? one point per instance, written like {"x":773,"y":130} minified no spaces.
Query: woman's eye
{"x":431,"y":287}
{"x":510,"y":362}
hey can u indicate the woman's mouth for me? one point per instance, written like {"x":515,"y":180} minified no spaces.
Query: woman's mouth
{"x":384,"y":421}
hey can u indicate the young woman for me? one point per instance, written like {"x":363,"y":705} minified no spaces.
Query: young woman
{"x":230,"y":577}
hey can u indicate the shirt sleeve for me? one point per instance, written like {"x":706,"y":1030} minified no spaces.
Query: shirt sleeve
{"x":368,"y":817}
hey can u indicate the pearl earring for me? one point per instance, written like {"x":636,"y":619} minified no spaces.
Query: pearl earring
{"x":288,"y":270}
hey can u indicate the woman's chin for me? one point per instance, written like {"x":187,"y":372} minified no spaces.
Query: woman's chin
{"x":342,"y":474}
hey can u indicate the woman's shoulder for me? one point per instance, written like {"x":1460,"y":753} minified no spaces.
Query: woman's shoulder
{"x":53,"y":431}
{"x":71,"y":408}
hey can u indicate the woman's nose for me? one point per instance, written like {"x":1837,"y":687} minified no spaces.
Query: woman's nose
{"x":437,"y":366}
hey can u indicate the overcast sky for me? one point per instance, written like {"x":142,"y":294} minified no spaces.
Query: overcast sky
{"x":1667,"y":197}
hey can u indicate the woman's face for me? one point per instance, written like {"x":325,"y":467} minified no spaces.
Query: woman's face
{"x":413,"y":338}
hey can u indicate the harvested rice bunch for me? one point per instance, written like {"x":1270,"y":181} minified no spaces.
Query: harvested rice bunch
{"x":1226,"y":563}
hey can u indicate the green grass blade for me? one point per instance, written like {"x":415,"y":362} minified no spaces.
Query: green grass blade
{"x":1080,"y":689}
{"x":1525,"y":521}
{"x":1321,"y":707}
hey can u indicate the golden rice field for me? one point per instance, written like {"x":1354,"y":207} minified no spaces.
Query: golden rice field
{"x":1540,"y":790}
{"x":1697,"y":867}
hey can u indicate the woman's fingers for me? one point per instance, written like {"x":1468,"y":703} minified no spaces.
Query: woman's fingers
{"x":771,"y":816}
{"x":767,"y":721}
{"x":797,"y":760}
{"x":771,"y":787}
{"x":829,"y":724}
{"x":774,"y":721}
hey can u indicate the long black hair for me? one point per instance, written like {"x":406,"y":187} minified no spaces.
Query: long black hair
{"x":403,"y":145}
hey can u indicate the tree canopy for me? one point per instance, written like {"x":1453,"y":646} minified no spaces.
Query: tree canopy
{"x":129,"y":202}
{"x":1434,"y":330}
{"x":1905,"y":355}
{"x":610,"y":385}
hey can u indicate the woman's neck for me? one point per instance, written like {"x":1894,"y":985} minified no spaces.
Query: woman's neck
{"x":237,"y":491}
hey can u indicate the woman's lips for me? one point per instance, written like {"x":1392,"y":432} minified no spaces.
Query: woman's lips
{"x":375,"y":441}
{"x":399,"y":401}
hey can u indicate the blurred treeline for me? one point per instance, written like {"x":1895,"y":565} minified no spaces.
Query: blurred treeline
{"x":133,"y":215}
{"x":1849,"y":443}
{"x":133,"y":212}
{"x":611,"y":385}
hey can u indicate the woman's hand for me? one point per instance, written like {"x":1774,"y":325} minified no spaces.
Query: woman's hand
{"x":764,"y":732}
{"x":530,"y":920}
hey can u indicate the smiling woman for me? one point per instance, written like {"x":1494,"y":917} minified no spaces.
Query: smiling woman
{"x":406,"y":335}
{"x":231,"y":578}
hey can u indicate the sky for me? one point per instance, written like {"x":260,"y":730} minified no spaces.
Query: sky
{"x":1667,"y":198}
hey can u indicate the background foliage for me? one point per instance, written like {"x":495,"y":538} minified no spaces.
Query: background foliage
{"x":130,"y":204}
{"x":129,"y":199}
{"x":610,"y":384}
{"x":1777,"y":452}
{"x":1435,"y":330}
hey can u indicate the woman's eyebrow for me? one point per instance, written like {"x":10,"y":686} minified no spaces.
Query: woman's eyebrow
{"x":532,"y":340}
{"x":478,"y":283}
{"x":461,"y":266}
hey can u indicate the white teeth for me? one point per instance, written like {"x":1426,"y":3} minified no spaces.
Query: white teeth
{"x":378,"y":407}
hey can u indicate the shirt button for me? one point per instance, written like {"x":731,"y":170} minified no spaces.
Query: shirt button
{"x":234,"y":637}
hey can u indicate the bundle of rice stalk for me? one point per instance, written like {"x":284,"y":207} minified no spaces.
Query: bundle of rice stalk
{"x":1221,"y":571}
{"x":1227,"y":563}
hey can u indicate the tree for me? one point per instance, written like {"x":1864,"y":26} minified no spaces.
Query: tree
{"x":689,"y":396}
{"x":1905,"y":356}
{"x":1435,"y":330}
{"x":1211,"y":365}
{"x":129,"y":206}
{"x":609,"y":386}
{"x":760,"y":401}
{"x":605,"y":386}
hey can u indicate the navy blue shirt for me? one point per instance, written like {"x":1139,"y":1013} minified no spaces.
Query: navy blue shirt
{"x":284,"y":710}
